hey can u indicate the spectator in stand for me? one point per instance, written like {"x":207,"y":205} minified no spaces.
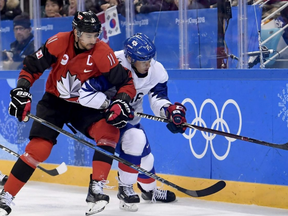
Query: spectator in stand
{"x":284,"y":15}
{"x":197,"y":4}
{"x":147,"y":6}
{"x":142,"y":6}
{"x":282,"y":20}
{"x":107,"y":4}
{"x":53,"y":8}
{"x":9,"y":9}
{"x":70,"y":9}
{"x":98,"y":6}
{"x":91,"y":5}
{"x":271,"y":6}
{"x":22,"y":46}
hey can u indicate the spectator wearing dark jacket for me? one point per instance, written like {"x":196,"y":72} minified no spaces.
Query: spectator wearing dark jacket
{"x":22,"y":46}
{"x":9,"y":9}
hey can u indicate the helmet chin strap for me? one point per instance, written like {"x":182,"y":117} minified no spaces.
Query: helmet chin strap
{"x":77,"y":45}
{"x":78,"y":35}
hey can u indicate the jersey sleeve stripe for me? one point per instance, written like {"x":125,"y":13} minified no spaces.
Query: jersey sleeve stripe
{"x":111,"y":59}
{"x":52,"y":39}
{"x":111,"y":63}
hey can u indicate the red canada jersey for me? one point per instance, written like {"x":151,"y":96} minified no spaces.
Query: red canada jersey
{"x":69,"y":71}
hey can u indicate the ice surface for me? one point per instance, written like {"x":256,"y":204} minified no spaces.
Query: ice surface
{"x":43,"y":199}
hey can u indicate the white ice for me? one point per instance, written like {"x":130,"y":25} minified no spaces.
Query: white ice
{"x":43,"y":199}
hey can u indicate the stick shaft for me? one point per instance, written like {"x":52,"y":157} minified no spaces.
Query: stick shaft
{"x":194,"y":193}
{"x":222,"y":133}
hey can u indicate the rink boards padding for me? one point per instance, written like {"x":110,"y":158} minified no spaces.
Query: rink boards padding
{"x":250,"y":103}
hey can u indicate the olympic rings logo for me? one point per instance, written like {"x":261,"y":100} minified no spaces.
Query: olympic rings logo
{"x":218,"y":122}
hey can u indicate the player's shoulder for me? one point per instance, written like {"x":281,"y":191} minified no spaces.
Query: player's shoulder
{"x":158,"y":68}
{"x":103,"y":55}
{"x":120,"y":55}
{"x":122,"y":59}
{"x":102,"y":47}
{"x":57,"y":43}
{"x":59,"y":38}
{"x":157,"y":64}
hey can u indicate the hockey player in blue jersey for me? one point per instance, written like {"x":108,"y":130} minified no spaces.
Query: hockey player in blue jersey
{"x":150,"y":78}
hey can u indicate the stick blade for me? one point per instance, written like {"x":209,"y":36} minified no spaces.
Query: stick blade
{"x":205,"y":192}
{"x":62,"y":168}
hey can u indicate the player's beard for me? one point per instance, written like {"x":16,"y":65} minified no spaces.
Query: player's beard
{"x":83,"y":45}
{"x":89,"y":46}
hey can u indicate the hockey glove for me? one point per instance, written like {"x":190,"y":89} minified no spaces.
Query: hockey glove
{"x":119,"y":113}
{"x":176,"y":114}
{"x":20,"y":103}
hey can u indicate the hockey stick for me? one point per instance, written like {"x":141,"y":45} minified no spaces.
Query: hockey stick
{"x":62,"y":168}
{"x":194,"y":193}
{"x":235,"y":136}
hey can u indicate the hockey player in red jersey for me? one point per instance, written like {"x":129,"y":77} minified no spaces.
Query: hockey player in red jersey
{"x":73,"y":57}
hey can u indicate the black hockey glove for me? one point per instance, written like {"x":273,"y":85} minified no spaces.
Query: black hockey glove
{"x":119,"y":113}
{"x":176,"y":113}
{"x":20,"y":103}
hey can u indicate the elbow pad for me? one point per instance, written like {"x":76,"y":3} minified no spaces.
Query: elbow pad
{"x":91,"y":97}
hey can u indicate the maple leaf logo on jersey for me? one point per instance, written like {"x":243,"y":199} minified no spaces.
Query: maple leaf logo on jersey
{"x":68,"y":87}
